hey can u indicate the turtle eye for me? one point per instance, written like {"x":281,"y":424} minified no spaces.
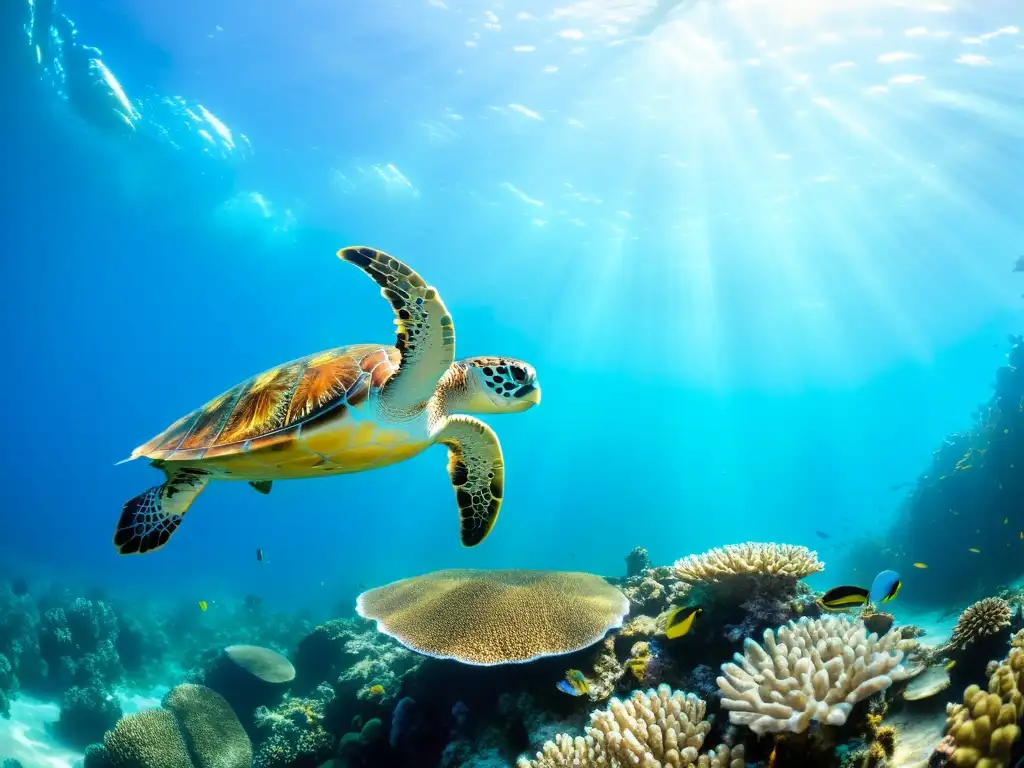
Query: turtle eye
{"x":518,"y":373}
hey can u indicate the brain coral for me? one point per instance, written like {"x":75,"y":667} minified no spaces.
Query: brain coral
{"x":812,"y":670}
{"x":656,"y":729}
{"x":496,"y":617}
{"x":982,"y":619}
{"x":195,"y":729}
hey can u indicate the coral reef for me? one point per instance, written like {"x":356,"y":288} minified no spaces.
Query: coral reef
{"x":661,"y":729}
{"x":985,"y":618}
{"x":85,"y":715}
{"x":808,"y":670}
{"x":637,"y":562}
{"x":466,"y":614}
{"x":294,"y":733}
{"x":195,"y":727}
{"x":965,"y":507}
{"x":982,"y":731}
{"x":741,"y":571}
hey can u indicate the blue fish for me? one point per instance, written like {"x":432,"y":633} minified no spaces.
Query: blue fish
{"x":885,"y":587}
{"x":575,"y":684}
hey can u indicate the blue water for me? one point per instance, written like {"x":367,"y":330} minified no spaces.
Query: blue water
{"x":761,"y":261}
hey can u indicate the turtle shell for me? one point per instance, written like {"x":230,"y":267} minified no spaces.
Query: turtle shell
{"x":272,"y":408}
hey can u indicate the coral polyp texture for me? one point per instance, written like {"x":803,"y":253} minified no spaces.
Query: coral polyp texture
{"x":653,"y":729}
{"x":496,"y":617}
{"x":743,"y":568}
{"x":982,"y":731}
{"x":983,"y":619}
{"x":195,"y":727}
{"x":810,"y":670}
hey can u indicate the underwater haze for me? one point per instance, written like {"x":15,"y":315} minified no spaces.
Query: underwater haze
{"x":760,"y":255}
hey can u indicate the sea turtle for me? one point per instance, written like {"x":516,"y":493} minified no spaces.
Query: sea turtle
{"x":348,"y":409}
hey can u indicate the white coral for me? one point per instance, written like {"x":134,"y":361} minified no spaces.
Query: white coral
{"x":813,"y":670}
{"x":656,"y":729}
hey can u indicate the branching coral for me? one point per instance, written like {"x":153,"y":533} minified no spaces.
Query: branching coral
{"x":808,"y":670}
{"x":981,"y":620}
{"x":295,"y":733}
{"x":466,"y":614}
{"x":653,"y":729}
{"x":981,"y":732}
{"x":741,"y":570}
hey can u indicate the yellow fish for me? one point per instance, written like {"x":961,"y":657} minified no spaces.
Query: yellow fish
{"x":376,"y":690}
{"x":680,"y":621}
{"x":575,"y":684}
{"x":202,"y":605}
{"x":975,"y":550}
{"x":920,"y":565}
{"x":950,"y":665}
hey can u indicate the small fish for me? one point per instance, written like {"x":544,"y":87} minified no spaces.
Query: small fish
{"x":1019,"y":266}
{"x":202,"y":605}
{"x":259,"y":555}
{"x":841,"y":598}
{"x":975,"y":550}
{"x":680,"y":621}
{"x":824,"y":535}
{"x":950,"y":664}
{"x":885,"y":587}
{"x":920,"y":565}
{"x":1006,"y":521}
{"x":376,"y":690}
{"x":575,"y":684}
{"x":1022,"y":534}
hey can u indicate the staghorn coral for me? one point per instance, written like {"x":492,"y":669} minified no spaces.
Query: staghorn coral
{"x":981,"y":732}
{"x":466,"y":614}
{"x":738,"y":571}
{"x":655,"y":729}
{"x":981,"y":620}
{"x":808,"y":670}
{"x":195,"y":728}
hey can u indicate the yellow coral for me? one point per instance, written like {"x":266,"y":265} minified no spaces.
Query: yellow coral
{"x":983,"y":729}
{"x":496,"y":617}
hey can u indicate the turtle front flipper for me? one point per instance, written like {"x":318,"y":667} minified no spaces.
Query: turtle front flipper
{"x":426,"y":336}
{"x":148,"y":520}
{"x":477,"y":472}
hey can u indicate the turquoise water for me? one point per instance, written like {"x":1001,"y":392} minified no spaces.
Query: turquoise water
{"x":759,"y":256}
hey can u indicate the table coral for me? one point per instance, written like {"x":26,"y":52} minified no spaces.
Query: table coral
{"x":466,"y":614}
{"x":808,"y":670}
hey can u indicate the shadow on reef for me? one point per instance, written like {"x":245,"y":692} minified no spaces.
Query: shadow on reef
{"x":966,"y":512}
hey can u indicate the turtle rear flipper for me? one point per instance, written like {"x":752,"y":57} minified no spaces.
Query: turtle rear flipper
{"x":148,"y":520}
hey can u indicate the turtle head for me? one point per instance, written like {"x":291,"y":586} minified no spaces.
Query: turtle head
{"x":497,"y":385}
